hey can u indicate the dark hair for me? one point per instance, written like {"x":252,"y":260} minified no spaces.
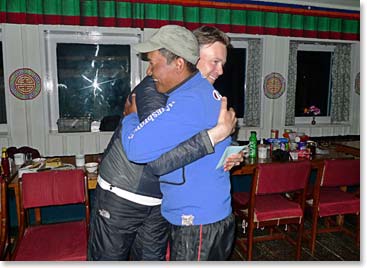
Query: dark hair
{"x":171,"y":57}
{"x":209,"y":35}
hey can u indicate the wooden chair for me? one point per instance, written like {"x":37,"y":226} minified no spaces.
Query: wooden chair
{"x":57,"y":241}
{"x":330,"y":198}
{"x":4,"y":225}
{"x":270,"y":204}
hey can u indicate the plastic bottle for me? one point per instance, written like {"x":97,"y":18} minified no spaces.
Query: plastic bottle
{"x":5,"y":163}
{"x":262,"y":150}
{"x":253,"y":145}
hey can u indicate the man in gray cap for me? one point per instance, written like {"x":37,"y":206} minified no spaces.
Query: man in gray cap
{"x":196,"y":198}
{"x":125,"y":189}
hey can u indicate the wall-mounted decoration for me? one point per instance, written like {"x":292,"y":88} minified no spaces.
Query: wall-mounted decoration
{"x":274,"y":85}
{"x":357,"y":84}
{"x":25,"y":84}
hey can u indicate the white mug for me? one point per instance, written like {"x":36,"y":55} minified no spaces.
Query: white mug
{"x":79,"y":160}
{"x":19,"y":159}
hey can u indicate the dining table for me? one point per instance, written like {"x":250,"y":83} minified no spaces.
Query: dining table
{"x":247,"y":167}
{"x":348,"y":147}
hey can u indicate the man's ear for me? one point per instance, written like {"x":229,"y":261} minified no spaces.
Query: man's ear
{"x":180,"y":64}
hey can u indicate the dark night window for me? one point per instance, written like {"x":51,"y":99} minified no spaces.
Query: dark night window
{"x":313,"y":86}
{"x":232,"y":83}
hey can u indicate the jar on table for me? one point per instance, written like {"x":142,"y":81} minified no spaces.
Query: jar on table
{"x":5,"y":166}
{"x":262,"y":151}
{"x":311,"y":145}
{"x":274,"y":133}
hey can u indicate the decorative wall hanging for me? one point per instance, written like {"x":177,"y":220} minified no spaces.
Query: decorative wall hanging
{"x":274,"y":85}
{"x":25,"y":84}
{"x":357,"y":84}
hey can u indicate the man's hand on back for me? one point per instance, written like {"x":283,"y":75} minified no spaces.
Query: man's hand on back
{"x":130,"y":107}
{"x":226,"y":123}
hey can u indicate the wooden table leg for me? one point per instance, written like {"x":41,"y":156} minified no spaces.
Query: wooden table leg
{"x":37,"y":215}
{"x":17,"y":202}
{"x":340,"y":220}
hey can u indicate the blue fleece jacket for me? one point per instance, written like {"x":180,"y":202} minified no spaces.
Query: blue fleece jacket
{"x":198,"y":193}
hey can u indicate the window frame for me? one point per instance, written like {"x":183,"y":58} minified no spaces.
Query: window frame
{"x":91,"y":36}
{"x":318,"y":48}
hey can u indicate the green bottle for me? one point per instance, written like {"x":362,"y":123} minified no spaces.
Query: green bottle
{"x":253,"y":145}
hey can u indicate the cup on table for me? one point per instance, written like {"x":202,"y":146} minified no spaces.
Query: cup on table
{"x":91,"y":167}
{"x":19,"y":159}
{"x":294,"y":155}
{"x":28,"y":158}
{"x":79,"y":160}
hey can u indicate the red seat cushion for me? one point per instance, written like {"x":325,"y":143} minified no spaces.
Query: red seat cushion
{"x":54,"y":242}
{"x":333,"y":201}
{"x":272,"y":207}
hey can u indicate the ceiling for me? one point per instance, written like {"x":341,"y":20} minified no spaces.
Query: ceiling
{"x":339,"y":4}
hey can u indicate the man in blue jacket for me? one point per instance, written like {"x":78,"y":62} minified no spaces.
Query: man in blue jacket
{"x":126,"y":216}
{"x":196,"y":198}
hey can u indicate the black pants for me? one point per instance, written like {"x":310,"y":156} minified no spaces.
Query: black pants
{"x":120,"y":228}
{"x":209,"y":242}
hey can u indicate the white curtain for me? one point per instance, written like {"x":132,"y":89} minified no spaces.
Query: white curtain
{"x":341,"y":84}
{"x":251,"y":117}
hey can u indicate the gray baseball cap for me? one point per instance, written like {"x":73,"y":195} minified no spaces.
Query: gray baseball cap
{"x":174,"y":38}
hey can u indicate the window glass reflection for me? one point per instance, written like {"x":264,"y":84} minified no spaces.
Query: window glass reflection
{"x":93,"y":80}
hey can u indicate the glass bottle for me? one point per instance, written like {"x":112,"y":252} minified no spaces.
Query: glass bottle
{"x":253,"y":145}
{"x":262,"y":150}
{"x":5,"y":163}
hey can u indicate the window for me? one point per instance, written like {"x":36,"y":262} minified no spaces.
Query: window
{"x":89,"y":74}
{"x":232,"y":83}
{"x":93,"y":80}
{"x":313,"y":86}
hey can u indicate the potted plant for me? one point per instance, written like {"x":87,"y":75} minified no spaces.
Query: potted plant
{"x":312,"y":110}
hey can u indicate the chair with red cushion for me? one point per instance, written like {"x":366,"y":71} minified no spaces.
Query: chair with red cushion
{"x":64,"y":241}
{"x":4,"y":223}
{"x":270,"y":203}
{"x":331,"y":198}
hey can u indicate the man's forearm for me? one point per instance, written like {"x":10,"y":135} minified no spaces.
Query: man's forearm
{"x":217,"y":134}
{"x":185,"y":153}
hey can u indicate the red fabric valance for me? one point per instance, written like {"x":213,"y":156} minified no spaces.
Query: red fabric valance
{"x":236,"y":16}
